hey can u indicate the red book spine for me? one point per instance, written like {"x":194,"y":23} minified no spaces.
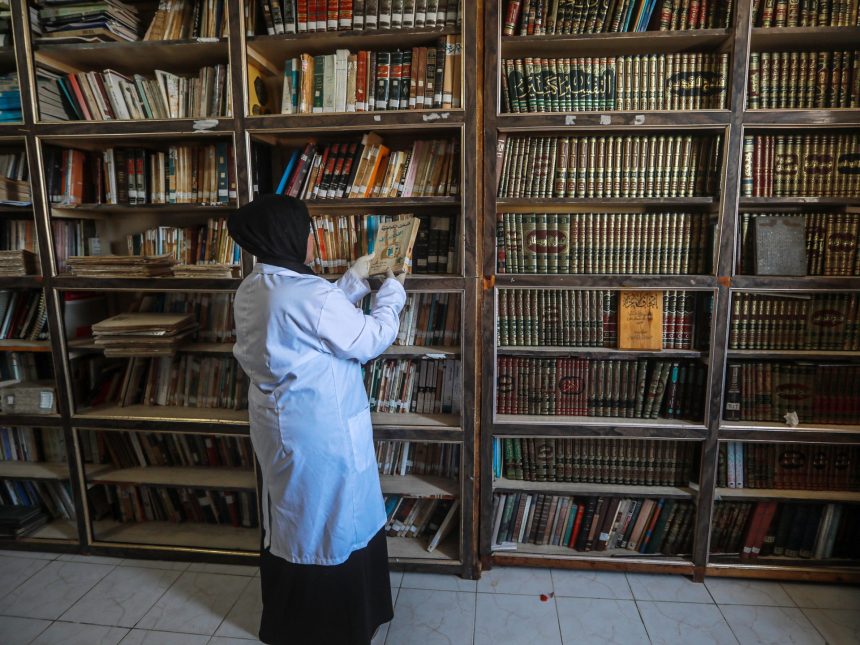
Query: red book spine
{"x":332,"y":21}
{"x":577,"y":525}
{"x":512,"y":17}
{"x":79,"y":95}
{"x":361,"y":82}
{"x":302,"y":15}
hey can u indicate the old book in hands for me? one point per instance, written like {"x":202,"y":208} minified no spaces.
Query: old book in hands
{"x":780,"y":245}
{"x":640,"y":320}
{"x":393,"y":246}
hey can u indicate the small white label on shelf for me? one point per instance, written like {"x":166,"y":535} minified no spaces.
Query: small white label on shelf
{"x":504,"y":546}
{"x":10,"y":399}
{"x":639,"y":119}
{"x":377,"y":117}
{"x":437,"y":357}
{"x":605,"y":119}
{"x":435,"y":116}
{"x":791,"y":419}
{"x":570,"y":119}
{"x":46,"y":400}
{"x":204,"y":124}
{"x":207,"y":39}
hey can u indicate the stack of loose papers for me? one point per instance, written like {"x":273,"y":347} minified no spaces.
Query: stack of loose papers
{"x":144,"y":334}
{"x":120,"y":266}
{"x":20,"y":262}
{"x":213,"y":270}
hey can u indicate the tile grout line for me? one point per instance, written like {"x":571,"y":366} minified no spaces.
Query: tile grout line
{"x":236,"y":602}
{"x":78,"y":599}
{"x":169,"y":587}
{"x":47,"y":562}
{"x":557,"y":615}
{"x":638,"y":610}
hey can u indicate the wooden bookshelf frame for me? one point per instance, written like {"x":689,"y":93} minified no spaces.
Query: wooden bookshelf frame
{"x":458,"y":553}
{"x":738,"y":41}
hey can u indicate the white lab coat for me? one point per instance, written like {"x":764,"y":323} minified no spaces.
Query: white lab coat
{"x":302,"y":342}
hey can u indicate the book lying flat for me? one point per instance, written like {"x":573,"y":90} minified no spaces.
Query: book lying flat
{"x":393,"y":246}
{"x":144,"y":324}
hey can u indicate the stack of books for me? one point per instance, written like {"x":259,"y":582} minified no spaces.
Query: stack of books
{"x":120,"y":266}
{"x":214,"y":270}
{"x":10,"y":98}
{"x":18,"y":262}
{"x":143,"y":334}
{"x":18,"y":521}
{"x":52,"y":105}
{"x":61,"y":21}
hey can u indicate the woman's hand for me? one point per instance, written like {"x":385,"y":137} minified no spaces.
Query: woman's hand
{"x":400,"y":277}
{"x":361,"y":267}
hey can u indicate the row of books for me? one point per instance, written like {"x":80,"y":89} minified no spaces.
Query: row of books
{"x":429,"y":319}
{"x":32,"y":444}
{"x":300,"y":16}
{"x":371,"y":81}
{"x":14,"y":177}
{"x":547,"y":17}
{"x":786,"y":529}
{"x":800,"y":165}
{"x":188,"y":20}
{"x":18,"y":234}
{"x":20,"y":521}
{"x":584,"y":318}
{"x":803,"y":80}
{"x":77,"y":21}
{"x":816,"y":393}
{"x":637,"y":462}
{"x":612,"y":524}
{"x":74,"y":237}
{"x":54,"y":496}
{"x":10,"y":98}
{"x":805,"y":13}
{"x":111,"y":95}
{"x":609,"y":166}
{"x":830,"y":249}
{"x":414,"y":517}
{"x":339,"y":240}
{"x":26,"y":366}
{"x":634,"y":389}
{"x":587,"y":243}
{"x":187,"y":380}
{"x":370,"y":169}
{"x":180,"y":174}
{"x":188,"y":245}
{"x":213,"y":312}
{"x":19,"y":262}
{"x":641,"y":82}
{"x":143,"y":334}
{"x":418,"y":458}
{"x":799,"y":466}
{"x":825,"y":321}
{"x":125,"y":503}
{"x":142,"y":449}
{"x":423,"y":386}
{"x":23,"y":315}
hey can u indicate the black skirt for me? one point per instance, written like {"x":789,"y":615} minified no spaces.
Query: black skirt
{"x":306,"y":604}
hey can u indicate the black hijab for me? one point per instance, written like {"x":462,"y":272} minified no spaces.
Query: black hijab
{"x":275,"y":229}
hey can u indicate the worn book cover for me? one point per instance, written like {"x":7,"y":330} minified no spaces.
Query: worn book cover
{"x":780,"y":246}
{"x":393,"y":246}
{"x":640,"y":320}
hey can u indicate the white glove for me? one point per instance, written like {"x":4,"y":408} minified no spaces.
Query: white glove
{"x":361,"y":267}
{"x":400,"y":277}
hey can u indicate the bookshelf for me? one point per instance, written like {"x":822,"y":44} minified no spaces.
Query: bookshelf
{"x":724,"y":280}
{"x":93,"y":474}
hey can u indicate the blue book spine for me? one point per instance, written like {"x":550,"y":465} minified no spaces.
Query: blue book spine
{"x":287,"y":171}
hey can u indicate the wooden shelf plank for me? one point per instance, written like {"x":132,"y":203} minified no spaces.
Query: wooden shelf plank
{"x":420,"y":486}
{"x":33,"y":470}
{"x":199,"y":477}
{"x":800,"y":283}
{"x":805,"y":433}
{"x":418,"y":351}
{"x":803,"y":38}
{"x":165,"y":414}
{"x":801,"y":117}
{"x":54,"y":530}
{"x":17,"y":345}
{"x":21,"y":282}
{"x":596,"y":352}
{"x":549,"y":204}
{"x":413,"y":420}
{"x":803,"y":354}
{"x":177,"y":534}
{"x":606,"y":281}
{"x":430,"y":119}
{"x":37,"y":420}
{"x":415,"y":550}
{"x":70,"y":283}
{"x":402,"y":205}
{"x":182,"y":127}
{"x":813,"y":200}
{"x":143,"y":208}
{"x":552,"y":551}
{"x":614,"y":43}
{"x":400,"y":433}
{"x":584,"y":488}
{"x":87,"y":344}
{"x":564,"y":420}
{"x":277,"y":48}
{"x":609,"y":430}
{"x":794,"y":495}
{"x":612,"y":119}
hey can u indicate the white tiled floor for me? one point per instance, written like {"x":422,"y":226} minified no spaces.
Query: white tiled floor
{"x":76,"y":600}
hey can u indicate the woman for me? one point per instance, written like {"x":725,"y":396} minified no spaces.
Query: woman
{"x":302,"y":340}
